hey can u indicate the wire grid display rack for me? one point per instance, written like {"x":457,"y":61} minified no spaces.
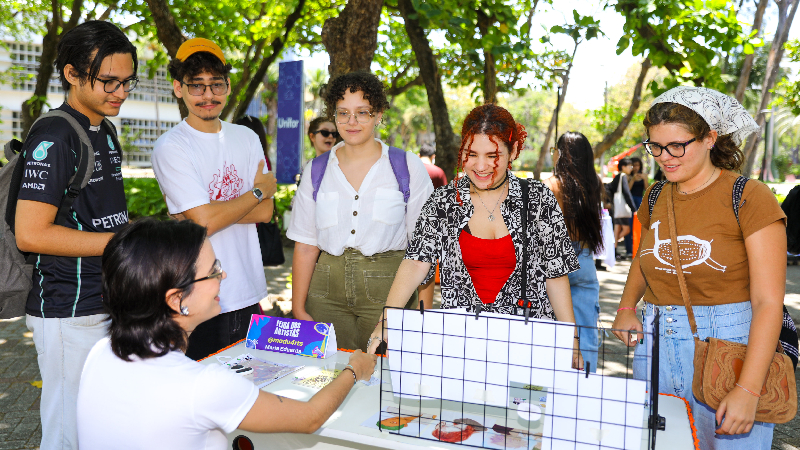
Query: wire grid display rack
{"x":502,"y":381}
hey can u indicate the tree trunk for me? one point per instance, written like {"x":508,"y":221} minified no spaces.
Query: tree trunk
{"x":612,"y":138}
{"x":277,"y":46}
{"x":32,"y":107}
{"x":447,"y":143}
{"x":537,"y":171}
{"x":352,"y":38}
{"x":169,"y":34}
{"x":773,"y":64}
{"x":747,"y":66}
{"x":489,"y":68}
{"x":256,"y":50}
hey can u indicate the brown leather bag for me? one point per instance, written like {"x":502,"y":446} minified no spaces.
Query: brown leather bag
{"x":718,"y":363}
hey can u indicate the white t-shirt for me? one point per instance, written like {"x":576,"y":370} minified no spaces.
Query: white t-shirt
{"x":168,"y":402}
{"x":372,"y":220}
{"x":194,"y":168}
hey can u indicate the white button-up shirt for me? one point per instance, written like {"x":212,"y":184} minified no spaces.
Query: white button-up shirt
{"x":372,"y":220}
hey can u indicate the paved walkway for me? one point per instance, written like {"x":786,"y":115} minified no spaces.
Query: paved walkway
{"x":19,"y":373}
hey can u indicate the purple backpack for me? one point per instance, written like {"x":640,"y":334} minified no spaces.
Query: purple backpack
{"x":397,"y":158}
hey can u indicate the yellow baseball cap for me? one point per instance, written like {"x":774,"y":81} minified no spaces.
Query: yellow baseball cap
{"x":195,"y":45}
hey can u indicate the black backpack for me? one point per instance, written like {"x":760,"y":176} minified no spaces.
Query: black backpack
{"x":16,"y":267}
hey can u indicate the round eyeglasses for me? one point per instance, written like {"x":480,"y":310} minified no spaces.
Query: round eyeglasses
{"x":198,"y":89}
{"x":216,"y":272}
{"x":674,"y":149}
{"x":362,"y":116}
{"x":111,"y":86}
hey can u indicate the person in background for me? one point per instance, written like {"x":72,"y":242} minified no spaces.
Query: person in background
{"x":323,"y":135}
{"x":736,"y":290}
{"x":350,"y":235}
{"x":258,"y":128}
{"x":212,"y":172}
{"x":637,"y":182}
{"x":96,"y":64}
{"x":473,"y":227}
{"x":427,"y":153}
{"x":578,"y":191}
{"x":622,"y":225}
{"x":138,"y":390}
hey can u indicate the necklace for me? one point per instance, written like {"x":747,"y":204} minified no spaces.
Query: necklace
{"x":491,"y":213}
{"x":701,"y":186}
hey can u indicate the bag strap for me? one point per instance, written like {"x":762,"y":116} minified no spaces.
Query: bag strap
{"x":318,"y":166}
{"x":652,"y":197}
{"x":736,"y":196}
{"x":676,"y":259}
{"x":397,"y":158}
{"x":524,"y":287}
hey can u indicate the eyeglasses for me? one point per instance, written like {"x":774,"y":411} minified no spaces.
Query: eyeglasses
{"x":674,"y":149}
{"x":362,"y":116}
{"x":111,"y":86}
{"x":216,"y":272}
{"x":326,"y":133}
{"x":198,"y":89}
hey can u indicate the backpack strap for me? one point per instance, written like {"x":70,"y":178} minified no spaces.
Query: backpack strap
{"x":318,"y":166}
{"x":397,"y":158}
{"x":84,"y":166}
{"x":736,"y":195}
{"x":652,"y":197}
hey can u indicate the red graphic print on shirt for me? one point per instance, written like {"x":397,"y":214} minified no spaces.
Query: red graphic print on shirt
{"x":227,"y":186}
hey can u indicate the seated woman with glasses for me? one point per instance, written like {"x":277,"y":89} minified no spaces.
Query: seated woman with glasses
{"x":353,"y":214}
{"x":323,"y":135}
{"x":138,"y":389}
{"x":474,"y":228}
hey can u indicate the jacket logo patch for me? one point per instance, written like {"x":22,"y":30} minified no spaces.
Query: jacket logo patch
{"x":40,"y":152}
{"x":110,"y":142}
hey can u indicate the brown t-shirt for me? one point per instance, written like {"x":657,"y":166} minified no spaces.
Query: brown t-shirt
{"x":710,"y":242}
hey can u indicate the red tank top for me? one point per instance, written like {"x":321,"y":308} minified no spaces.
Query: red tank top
{"x":489,"y":262}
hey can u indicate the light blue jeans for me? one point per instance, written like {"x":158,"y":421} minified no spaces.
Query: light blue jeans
{"x":62,"y":346}
{"x":676,"y":365}
{"x":585,"y":291}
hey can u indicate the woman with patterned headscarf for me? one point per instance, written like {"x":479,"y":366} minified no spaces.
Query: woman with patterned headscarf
{"x":734,"y":264}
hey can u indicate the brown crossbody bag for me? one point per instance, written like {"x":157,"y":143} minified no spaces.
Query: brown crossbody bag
{"x":718,"y":363}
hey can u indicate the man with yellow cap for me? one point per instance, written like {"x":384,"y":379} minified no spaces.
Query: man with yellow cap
{"x":212,"y":172}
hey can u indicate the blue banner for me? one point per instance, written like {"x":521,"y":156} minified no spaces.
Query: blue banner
{"x":291,"y":124}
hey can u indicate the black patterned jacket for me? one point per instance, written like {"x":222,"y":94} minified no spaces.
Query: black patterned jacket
{"x":550,"y":253}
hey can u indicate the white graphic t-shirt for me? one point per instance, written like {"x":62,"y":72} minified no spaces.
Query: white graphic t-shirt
{"x":193,"y":168}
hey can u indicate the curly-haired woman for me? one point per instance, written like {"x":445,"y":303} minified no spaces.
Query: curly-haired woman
{"x":351,"y":223}
{"x":473,"y":227}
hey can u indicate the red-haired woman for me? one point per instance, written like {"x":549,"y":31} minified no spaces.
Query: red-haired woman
{"x":472,"y":226}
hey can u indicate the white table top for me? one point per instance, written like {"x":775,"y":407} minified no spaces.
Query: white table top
{"x":344,"y":430}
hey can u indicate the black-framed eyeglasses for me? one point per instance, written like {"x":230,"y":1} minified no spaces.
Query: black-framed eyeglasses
{"x":111,"y":86}
{"x":198,"y":89}
{"x":361,"y":115}
{"x":326,"y":133}
{"x":674,"y":149}
{"x":216,"y":272}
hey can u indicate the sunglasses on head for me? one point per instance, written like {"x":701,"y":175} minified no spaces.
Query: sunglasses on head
{"x":326,"y":133}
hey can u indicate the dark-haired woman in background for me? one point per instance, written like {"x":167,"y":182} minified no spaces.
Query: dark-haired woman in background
{"x":578,"y":189}
{"x":258,"y":128}
{"x":139,"y":390}
{"x":637,"y":182}
{"x":622,"y":225}
{"x":323,"y":135}
{"x":351,"y":234}
{"x":473,"y":228}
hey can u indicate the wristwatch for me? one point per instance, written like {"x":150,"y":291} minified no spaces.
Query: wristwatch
{"x":258,"y":194}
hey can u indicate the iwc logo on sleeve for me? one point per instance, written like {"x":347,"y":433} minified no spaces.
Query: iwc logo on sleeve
{"x":110,"y":142}
{"x":40,"y":152}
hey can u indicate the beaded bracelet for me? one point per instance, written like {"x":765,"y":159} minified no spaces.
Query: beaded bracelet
{"x":748,"y":390}
{"x":625,"y":307}
{"x":355,"y":379}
